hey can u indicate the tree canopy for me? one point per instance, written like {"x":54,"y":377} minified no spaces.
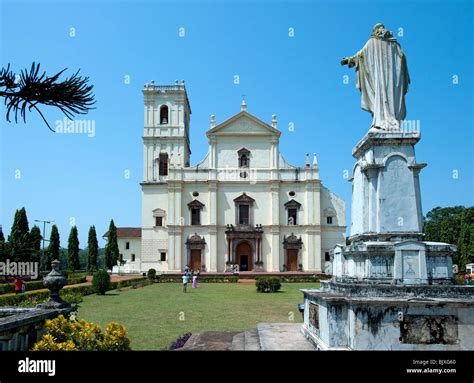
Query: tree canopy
{"x":454,"y":225}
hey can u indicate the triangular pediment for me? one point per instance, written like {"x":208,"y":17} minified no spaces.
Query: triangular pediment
{"x":244,"y":124}
{"x":244,"y":198}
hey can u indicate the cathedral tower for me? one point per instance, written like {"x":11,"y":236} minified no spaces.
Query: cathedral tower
{"x":166,"y":129}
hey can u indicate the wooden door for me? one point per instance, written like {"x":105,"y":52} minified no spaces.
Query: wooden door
{"x":196,"y":260}
{"x":292,"y":261}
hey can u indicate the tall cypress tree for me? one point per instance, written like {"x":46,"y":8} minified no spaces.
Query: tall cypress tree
{"x":2,"y":246}
{"x":111,"y":249}
{"x":18,"y":240}
{"x":53,"y":248}
{"x":35,"y":244}
{"x":93,"y":250}
{"x":73,"y":250}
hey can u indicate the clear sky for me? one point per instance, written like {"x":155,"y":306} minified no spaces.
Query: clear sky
{"x":75,"y":178}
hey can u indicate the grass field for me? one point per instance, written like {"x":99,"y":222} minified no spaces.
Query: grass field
{"x":156,"y":315}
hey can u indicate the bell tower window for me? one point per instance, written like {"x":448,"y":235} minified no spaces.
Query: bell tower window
{"x":163,"y":164}
{"x":244,"y":162}
{"x":244,"y":158}
{"x":164,"y":116}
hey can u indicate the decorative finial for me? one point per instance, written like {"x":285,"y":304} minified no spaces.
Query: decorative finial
{"x":176,"y":82}
{"x":307,"y":160}
{"x":274,"y":121}
{"x":213,"y":121}
{"x":182,"y":82}
{"x":315,"y":160}
{"x":152,"y":82}
{"x":244,"y":105}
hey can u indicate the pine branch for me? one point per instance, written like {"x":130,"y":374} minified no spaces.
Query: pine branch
{"x":71,"y":96}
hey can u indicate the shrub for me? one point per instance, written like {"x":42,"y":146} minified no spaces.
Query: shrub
{"x":101,"y":282}
{"x":268,"y":284}
{"x":7,"y":288}
{"x":151,"y":274}
{"x":180,"y":342}
{"x":72,"y":335}
{"x":72,"y":297}
{"x":32,"y":298}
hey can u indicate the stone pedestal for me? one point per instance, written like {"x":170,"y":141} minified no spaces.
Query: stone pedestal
{"x":385,"y":186}
{"x":390,"y":289}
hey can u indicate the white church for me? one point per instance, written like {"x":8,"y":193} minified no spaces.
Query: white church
{"x":243,"y":204}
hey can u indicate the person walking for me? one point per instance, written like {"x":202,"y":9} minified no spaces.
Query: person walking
{"x":468,"y":278}
{"x":18,"y":285}
{"x":195,"y":280}
{"x":185,"y":282}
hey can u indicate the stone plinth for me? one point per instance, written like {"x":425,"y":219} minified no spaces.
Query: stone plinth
{"x":385,"y":186}
{"x":407,"y":262}
{"x":347,"y":316}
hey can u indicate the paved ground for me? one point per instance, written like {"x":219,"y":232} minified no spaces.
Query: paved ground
{"x":265,"y":337}
{"x":282,"y":336}
{"x":210,"y":341}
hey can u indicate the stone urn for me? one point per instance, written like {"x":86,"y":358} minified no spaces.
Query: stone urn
{"x":54,"y":282}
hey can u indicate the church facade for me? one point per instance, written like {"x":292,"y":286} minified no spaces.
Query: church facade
{"x":243,"y":204}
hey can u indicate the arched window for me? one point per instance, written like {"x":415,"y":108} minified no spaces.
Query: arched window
{"x":244,"y":158}
{"x":244,"y":161}
{"x":164,"y":117}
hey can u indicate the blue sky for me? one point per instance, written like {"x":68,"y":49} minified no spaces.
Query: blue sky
{"x":75,"y":178}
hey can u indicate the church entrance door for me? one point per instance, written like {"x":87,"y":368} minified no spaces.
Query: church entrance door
{"x":292,"y":259}
{"x":196,"y":260}
{"x":244,"y":256}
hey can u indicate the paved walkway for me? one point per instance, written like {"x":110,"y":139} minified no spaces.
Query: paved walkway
{"x":210,"y":341}
{"x":282,"y":336}
{"x":265,"y":337}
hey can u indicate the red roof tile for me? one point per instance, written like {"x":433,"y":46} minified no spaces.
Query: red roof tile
{"x":127,"y":232}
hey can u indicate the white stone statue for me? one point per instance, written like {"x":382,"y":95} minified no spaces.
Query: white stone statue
{"x":382,"y":78}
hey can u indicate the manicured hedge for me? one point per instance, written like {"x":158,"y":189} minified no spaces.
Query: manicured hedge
{"x":303,"y":278}
{"x":233,"y":279}
{"x":7,"y":288}
{"x":201,"y":278}
{"x":31,"y":298}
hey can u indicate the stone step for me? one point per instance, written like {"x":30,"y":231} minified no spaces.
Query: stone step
{"x":238,"y":342}
{"x":282,"y":336}
{"x":252,"y":341}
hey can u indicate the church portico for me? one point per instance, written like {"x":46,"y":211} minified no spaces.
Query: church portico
{"x":244,"y":247}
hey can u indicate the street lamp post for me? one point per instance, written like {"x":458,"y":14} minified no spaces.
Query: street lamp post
{"x":44,"y":231}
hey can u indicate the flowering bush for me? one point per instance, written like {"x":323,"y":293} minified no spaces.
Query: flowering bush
{"x":72,"y":335}
{"x":180,"y":342}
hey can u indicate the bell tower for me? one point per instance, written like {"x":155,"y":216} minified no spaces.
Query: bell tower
{"x":166,"y":129}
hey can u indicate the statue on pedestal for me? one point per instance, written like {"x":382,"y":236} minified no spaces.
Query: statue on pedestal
{"x":382,"y":78}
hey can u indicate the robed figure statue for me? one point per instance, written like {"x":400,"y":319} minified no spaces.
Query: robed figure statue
{"x":382,"y":78}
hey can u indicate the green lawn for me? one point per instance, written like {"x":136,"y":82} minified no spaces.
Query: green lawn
{"x":156,"y":315}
